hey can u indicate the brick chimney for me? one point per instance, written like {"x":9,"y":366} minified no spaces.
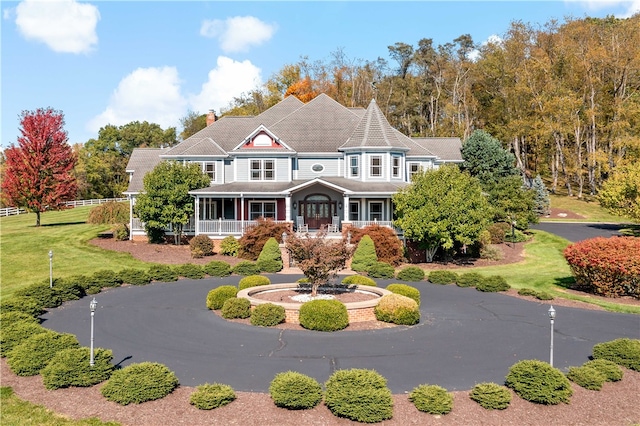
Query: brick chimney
{"x":211,"y":117}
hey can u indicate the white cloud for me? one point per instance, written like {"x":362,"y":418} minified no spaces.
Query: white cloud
{"x":147,"y":94}
{"x":628,"y":7}
{"x":228,"y":80}
{"x":474,"y":55}
{"x":64,"y":25}
{"x":239,"y":33}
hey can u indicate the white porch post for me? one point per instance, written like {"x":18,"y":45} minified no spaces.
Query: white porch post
{"x":346,"y":208}
{"x":241,"y":214}
{"x":197,"y":215}
{"x":287,"y":207}
{"x":131,"y":201}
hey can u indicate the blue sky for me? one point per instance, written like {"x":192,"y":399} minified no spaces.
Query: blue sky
{"x":104,"y":62}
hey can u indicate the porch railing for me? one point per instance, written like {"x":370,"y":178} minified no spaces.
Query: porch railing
{"x":363,"y":223}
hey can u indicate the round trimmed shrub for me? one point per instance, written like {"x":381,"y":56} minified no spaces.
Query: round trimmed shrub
{"x":210,"y":396}
{"x":493,"y":284}
{"x":14,"y":333}
{"x":442,"y":277}
{"x":469,"y":279}
{"x":35,"y":352}
{"x":411,"y":273}
{"x":624,"y":352}
{"x":246,"y":267}
{"x":253,"y":281}
{"x":105,"y":278}
{"x":295,"y":391}
{"x":543,"y":295}
{"x":324,"y":315}
{"x":360,"y":395}
{"x":121,"y":232}
{"x":431,"y":399}
{"x":611,"y":371}
{"x":135,"y":276}
{"x":382,"y":270}
{"x":267,"y":315}
{"x":405,"y":290}
{"x":537,"y":381}
{"x":364,"y":256}
{"x":236,"y":308}
{"x":138,"y":383}
{"x":201,"y":245}
{"x":217,"y":296}
{"x":21,"y":304}
{"x":527,"y":292}
{"x":229,"y":246}
{"x":217,"y":268}
{"x":491,"y":396}
{"x":586,"y":377}
{"x":189,"y":270}
{"x":359,"y":280}
{"x":70,"y":367}
{"x":397,"y":309}
{"x":162,"y":273}
{"x":270,"y":258}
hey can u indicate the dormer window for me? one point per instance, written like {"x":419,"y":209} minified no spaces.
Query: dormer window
{"x":262,"y":140}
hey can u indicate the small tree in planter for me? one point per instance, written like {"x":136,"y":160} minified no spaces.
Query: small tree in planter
{"x":317,"y":258}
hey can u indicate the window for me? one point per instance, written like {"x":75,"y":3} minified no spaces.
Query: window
{"x":354,"y":170}
{"x":208,"y":209}
{"x":354,"y":210}
{"x":210,"y":170}
{"x":376,"y":166}
{"x":375,"y":210}
{"x":262,"y":140}
{"x":262,"y":170}
{"x":395,"y":170}
{"x":413,"y":169}
{"x":262,"y":209}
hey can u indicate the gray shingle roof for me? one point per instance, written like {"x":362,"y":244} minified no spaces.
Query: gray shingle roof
{"x":374,"y":131}
{"x":445,"y":148}
{"x":142,"y":160}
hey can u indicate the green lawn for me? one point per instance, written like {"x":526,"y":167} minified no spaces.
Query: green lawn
{"x":588,"y":207}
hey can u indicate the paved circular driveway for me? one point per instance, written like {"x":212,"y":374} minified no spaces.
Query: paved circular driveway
{"x":578,"y":231}
{"x":465,"y":337}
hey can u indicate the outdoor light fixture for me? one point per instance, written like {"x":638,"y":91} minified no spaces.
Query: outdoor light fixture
{"x":284,"y":237}
{"x":50,"y":268}
{"x":93,"y":305}
{"x":295,"y":205}
{"x":340,"y":205}
{"x":552,"y":317}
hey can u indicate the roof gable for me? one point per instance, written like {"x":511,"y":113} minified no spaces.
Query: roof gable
{"x":374,"y":131}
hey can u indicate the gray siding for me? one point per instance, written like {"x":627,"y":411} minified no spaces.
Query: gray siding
{"x":331,"y":167}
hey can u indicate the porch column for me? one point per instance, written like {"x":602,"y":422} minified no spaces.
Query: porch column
{"x":346,"y":208}
{"x":241,"y":214}
{"x":131,"y":201}
{"x":287,"y":208}
{"x":197,"y":215}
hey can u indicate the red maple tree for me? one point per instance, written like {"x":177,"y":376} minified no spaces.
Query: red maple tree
{"x":39,"y":171}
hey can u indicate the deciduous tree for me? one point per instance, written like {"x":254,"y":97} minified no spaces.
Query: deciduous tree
{"x":621,"y":192}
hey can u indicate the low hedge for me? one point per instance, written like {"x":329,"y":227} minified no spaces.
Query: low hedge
{"x":105,"y":278}
{"x":42,"y":294}
{"x":360,"y":395}
{"x":267,"y":315}
{"x":217,"y":296}
{"x":210,"y":396}
{"x":469,"y":279}
{"x":624,"y":352}
{"x":324,"y":315}
{"x":491,"y":396}
{"x":138,"y":383}
{"x":11,"y":317}
{"x":442,"y":277}
{"x":405,"y":290}
{"x":411,"y":273}
{"x":246,"y":267}
{"x":189,"y":270}
{"x":135,"y":276}
{"x":14,"y":333}
{"x":381,"y":270}
{"x":611,"y":371}
{"x":359,"y":280}
{"x":217,"y":268}
{"x":236,"y":308}
{"x":162,"y":273}
{"x":538,"y":382}
{"x":586,"y":377}
{"x":253,"y":281}
{"x":540,"y":295}
{"x":493,"y":284}
{"x":397,"y":309}
{"x":35,"y":352}
{"x":431,"y":399}
{"x":21,"y":304}
{"x":70,"y":367}
{"x":295,"y":391}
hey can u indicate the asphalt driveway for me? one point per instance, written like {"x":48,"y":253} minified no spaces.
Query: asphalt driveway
{"x":578,"y":231}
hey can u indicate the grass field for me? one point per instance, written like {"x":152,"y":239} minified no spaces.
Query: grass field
{"x":589,"y":208}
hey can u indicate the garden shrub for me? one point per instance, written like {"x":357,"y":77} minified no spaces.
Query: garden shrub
{"x":411,"y":273}
{"x":492,"y":284}
{"x":155,"y":235}
{"x":85,"y":282}
{"x":360,"y":395}
{"x":253,"y":281}
{"x":217,"y":296}
{"x":255,"y":237}
{"x":14,"y":333}
{"x":543,"y":295}
{"x":246,"y":268}
{"x":537,"y":381}
{"x":137,"y":383}
{"x":431,"y":399}
{"x":491,"y":252}
{"x":586,"y":377}
{"x":270,"y":258}
{"x":134,"y":276}
{"x":189,"y":270}
{"x":41,"y":293}
{"x":217,"y":268}
{"x":359,"y":280}
{"x":442,"y":277}
{"x":162,"y":273}
{"x":21,"y":304}
{"x":498,"y":231}
{"x":364,"y":256}
{"x":389,"y":248}
{"x":606,"y":266}
{"x":611,"y":371}
{"x":405,"y":290}
{"x":469,"y":279}
{"x":303,"y":280}
{"x":70,"y":367}
{"x":382,"y":270}
{"x":527,"y":292}
{"x":35,"y":352}
{"x":68,"y":289}
{"x":236,"y":308}
{"x":323,"y":315}
{"x":109,"y":213}
{"x":295,"y":391}
{"x":105,"y":278}
{"x":520,"y":237}
{"x":210,"y":396}
{"x":11,"y":317}
{"x":121,"y":232}
{"x":267,"y":315}
{"x":229,"y":246}
{"x":491,"y":396}
{"x":397,"y":309}
{"x":201,"y":245}
{"x":624,"y":352}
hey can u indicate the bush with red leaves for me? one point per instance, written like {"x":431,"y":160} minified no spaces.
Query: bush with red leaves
{"x":388,"y":245}
{"x":255,"y":237}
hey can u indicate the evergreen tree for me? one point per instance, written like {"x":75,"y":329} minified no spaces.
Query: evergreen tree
{"x":270,"y":258}
{"x":542,"y":201}
{"x":365,"y":255}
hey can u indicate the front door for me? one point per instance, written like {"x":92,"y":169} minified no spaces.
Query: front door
{"x":317,"y":210}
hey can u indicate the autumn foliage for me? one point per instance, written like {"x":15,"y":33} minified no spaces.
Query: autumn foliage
{"x":388,"y":245}
{"x":38,"y":174}
{"x":302,"y":89}
{"x":256,"y":236}
{"x":606,"y":266}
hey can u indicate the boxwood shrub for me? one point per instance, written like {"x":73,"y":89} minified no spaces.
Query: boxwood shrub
{"x":70,"y":367}
{"x":295,"y":391}
{"x":246,"y":267}
{"x":431,"y":399}
{"x":229,"y":246}
{"x":135,"y":276}
{"x":253,"y":281}
{"x":217,"y":296}
{"x":236,"y":308}
{"x":14,"y":333}
{"x":382,"y":270}
{"x":137,"y":383}
{"x":612,"y":371}
{"x":324,"y":315}
{"x":442,"y":277}
{"x":359,"y":280}
{"x":162,"y":273}
{"x":270,"y":258}
{"x":469,"y":279}
{"x":405,"y":290}
{"x":105,"y":278}
{"x":210,"y":396}
{"x":201,"y":245}
{"x":624,"y":352}
{"x":493,"y":284}
{"x":217,"y":268}
{"x":35,"y":352}
{"x":491,"y":396}
{"x":189,"y":270}
{"x":411,"y":273}
{"x":586,"y":377}
{"x":543,"y":295}
{"x":364,"y":255}
{"x":527,"y":292}
{"x":360,"y":395}
{"x":267,"y":315}
{"x":537,"y":381}
{"x":397,"y":309}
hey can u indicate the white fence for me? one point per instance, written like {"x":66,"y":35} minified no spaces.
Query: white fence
{"x":10,"y":211}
